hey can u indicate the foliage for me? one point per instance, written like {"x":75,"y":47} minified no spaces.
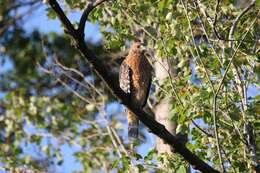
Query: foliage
{"x":213,"y":77}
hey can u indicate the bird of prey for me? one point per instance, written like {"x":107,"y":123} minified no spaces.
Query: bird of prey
{"x":135,"y":79}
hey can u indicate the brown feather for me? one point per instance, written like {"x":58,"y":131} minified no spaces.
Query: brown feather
{"x":135,"y":79}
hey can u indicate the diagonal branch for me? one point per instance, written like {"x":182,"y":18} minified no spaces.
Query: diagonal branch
{"x":112,"y":83}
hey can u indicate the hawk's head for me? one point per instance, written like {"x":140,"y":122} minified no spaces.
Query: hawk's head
{"x":137,"y":48}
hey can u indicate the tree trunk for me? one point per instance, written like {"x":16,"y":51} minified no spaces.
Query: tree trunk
{"x":163,"y":108}
{"x":162,"y":111}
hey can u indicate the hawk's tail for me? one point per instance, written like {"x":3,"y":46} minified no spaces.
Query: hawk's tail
{"x":133,"y":124}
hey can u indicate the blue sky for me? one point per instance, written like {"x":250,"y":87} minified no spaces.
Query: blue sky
{"x":39,"y":20}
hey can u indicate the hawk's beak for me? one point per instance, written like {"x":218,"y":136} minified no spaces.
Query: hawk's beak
{"x":142,"y":47}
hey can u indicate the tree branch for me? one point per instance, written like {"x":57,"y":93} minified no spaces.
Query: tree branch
{"x":242,"y":91}
{"x":112,"y":83}
{"x":213,"y":22}
{"x":232,"y":29}
{"x":90,"y":7}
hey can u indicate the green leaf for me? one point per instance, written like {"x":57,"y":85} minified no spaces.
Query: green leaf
{"x":140,"y":167}
{"x":181,"y":169}
{"x":258,"y":3}
{"x":150,"y":155}
{"x":115,"y":164}
{"x":50,"y":13}
{"x":137,"y":156}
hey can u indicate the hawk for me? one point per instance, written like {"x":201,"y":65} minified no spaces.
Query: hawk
{"x":135,"y":80}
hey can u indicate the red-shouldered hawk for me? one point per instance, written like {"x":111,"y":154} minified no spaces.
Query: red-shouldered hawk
{"x":135,"y":80}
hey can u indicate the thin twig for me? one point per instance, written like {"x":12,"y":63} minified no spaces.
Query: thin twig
{"x":73,"y":91}
{"x":114,"y":141}
{"x":115,"y":138}
{"x":206,"y":133}
{"x":170,"y":75}
{"x":119,"y":140}
{"x":57,"y":62}
{"x":207,"y":36}
{"x":64,"y":84}
{"x":138,"y":23}
{"x":75,"y":80}
{"x":197,"y":51}
{"x":233,"y":126}
{"x":215,"y":20}
{"x":228,"y":159}
{"x":216,"y":132}
{"x":116,"y":145}
{"x":234,"y":54}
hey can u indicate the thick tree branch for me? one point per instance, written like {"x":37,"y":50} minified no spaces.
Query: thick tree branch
{"x":112,"y":83}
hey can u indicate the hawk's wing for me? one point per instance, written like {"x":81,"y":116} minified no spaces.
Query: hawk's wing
{"x":147,"y":92}
{"x":125,"y":77}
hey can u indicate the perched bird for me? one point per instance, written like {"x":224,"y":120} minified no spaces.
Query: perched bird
{"x":135,"y":80}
